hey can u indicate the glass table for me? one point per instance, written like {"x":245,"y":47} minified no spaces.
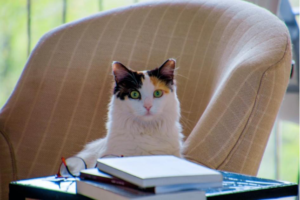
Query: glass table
{"x":235,"y":186}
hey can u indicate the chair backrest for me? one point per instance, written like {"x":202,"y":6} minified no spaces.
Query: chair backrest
{"x":233,"y":67}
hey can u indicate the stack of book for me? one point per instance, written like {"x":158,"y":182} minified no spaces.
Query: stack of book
{"x":148,"y":178}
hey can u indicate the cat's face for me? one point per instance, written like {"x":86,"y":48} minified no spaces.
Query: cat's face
{"x":145,"y":95}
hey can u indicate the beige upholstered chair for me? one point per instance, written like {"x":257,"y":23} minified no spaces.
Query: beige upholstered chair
{"x":233,"y":62}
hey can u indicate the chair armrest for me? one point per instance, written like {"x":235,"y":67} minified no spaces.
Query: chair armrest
{"x":8,"y":170}
{"x":232,"y":133}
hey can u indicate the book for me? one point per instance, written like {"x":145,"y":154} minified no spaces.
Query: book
{"x":96,"y":175}
{"x":98,"y":190}
{"x":159,"y":170}
{"x":99,"y":176}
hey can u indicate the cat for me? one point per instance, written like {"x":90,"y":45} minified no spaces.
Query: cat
{"x":143,"y":116}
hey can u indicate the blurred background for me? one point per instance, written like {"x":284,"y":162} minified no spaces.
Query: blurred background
{"x":23,"y":22}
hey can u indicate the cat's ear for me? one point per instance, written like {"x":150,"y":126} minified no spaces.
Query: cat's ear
{"x":167,"y":69}
{"x":119,"y":71}
{"x":165,"y":72}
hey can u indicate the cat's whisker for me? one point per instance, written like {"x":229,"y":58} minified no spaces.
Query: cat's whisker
{"x":184,"y":111}
{"x":178,"y":57}
{"x":187,"y":122}
{"x":186,"y":119}
{"x":186,"y":125}
{"x":182,"y":76}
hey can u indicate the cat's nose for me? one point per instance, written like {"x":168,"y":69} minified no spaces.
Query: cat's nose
{"x":148,"y":107}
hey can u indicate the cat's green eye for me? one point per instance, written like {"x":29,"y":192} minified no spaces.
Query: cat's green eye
{"x":135,"y":94}
{"x":158,"y":93}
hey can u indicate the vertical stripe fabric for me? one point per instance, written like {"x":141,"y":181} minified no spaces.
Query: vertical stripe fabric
{"x":233,"y":62}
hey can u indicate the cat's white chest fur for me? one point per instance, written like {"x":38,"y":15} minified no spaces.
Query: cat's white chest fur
{"x":132,"y":143}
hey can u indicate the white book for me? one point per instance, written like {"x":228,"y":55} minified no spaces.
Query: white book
{"x":159,"y":170}
{"x":94,"y":174}
{"x":98,"y":190}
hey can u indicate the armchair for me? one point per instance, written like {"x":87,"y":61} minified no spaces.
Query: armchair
{"x":233,"y":62}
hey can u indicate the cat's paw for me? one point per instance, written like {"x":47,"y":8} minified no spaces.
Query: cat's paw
{"x":75,"y":165}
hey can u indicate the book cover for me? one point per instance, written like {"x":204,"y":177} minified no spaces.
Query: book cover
{"x":159,"y":170}
{"x":98,"y":190}
{"x":96,"y":175}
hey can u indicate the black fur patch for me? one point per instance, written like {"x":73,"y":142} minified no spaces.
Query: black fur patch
{"x":132,"y":82}
{"x":167,"y":78}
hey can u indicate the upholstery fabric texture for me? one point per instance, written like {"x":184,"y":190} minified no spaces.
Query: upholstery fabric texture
{"x":233,"y":61}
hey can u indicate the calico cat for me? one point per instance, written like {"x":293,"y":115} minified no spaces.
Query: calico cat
{"x":143,"y":116}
